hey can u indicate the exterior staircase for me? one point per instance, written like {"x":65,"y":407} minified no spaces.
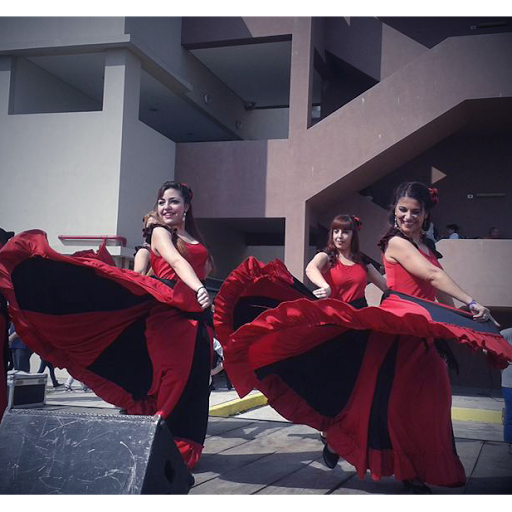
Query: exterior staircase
{"x":406,"y":113}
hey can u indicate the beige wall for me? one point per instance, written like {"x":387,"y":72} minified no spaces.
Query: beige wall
{"x":82,"y":173}
{"x":60,"y":172}
{"x":388,"y":125}
{"x":473,"y":163}
{"x":97,"y":172}
{"x":481,"y":268}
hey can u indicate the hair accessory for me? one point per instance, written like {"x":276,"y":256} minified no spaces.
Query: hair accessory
{"x":434,"y":195}
{"x":189,"y":190}
{"x":357,"y":221}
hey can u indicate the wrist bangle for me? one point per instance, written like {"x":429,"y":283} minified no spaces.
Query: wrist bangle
{"x":200,"y":288}
{"x":473,"y":302}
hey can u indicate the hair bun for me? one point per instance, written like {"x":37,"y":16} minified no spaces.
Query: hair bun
{"x":189,"y":190}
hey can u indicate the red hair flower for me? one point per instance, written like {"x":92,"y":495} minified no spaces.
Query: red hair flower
{"x":434,"y":195}
{"x":357,"y":222}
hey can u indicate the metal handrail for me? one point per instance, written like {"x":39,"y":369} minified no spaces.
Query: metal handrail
{"x":117,"y":238}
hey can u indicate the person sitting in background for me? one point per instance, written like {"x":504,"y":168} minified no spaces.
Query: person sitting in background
{"x":506,"y":388}
{"x":453,"y":232}
{"x":494,"y":233}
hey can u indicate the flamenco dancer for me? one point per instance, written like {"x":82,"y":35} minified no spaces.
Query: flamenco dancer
{"x":372,"y":379}
{"x":140,"y":343}
{"x":178,"y":253}
{"x":340,"y":271}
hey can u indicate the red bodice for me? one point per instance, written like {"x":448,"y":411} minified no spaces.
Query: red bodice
{"x":347,"y":282}
{"x":196,"y":255}
{"x":398,"y":279}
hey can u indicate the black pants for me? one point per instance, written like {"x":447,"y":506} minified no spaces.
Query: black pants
{"x":46,"y":364}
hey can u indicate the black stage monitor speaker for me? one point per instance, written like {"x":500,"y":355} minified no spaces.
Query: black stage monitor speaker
{"x":50,"y":452}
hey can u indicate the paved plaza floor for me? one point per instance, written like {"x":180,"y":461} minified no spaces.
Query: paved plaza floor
{"x":254,"y":450}
{"x":244,"y":456}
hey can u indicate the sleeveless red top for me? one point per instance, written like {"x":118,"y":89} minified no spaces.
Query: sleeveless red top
{"x":196,"y":255}
{"x":347,"y":282}
{"x":399,"y":280}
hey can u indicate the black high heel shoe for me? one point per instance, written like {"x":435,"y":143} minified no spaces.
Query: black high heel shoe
{"x":330,"y":458}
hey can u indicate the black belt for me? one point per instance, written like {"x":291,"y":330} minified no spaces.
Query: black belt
{"x":205,"y":316}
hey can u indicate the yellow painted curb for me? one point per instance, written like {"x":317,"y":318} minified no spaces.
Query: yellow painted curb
{"x":477,"y":415}
{"x":239,"y":405}
{"x":258,"y":399}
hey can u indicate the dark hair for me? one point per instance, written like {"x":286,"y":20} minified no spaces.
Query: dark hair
{"x":426,"y":196}
{"x":453,"y":227}
{"x":344,"y":222}
{"x":184,"y":189}
{"x":5,"y":236}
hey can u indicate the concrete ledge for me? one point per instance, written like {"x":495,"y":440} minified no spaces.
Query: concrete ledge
{"x":258,"y":399}
{"x":239,"y":405}
{"x":477,"y":415}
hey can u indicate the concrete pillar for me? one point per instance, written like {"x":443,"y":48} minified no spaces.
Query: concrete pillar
{"x":5,"y":84}
{"x":301,"y":92}
{"x":301,"y":76}
{"x":122,"y":86}
{"x":121,"y":106}
{"x":296,"y":239}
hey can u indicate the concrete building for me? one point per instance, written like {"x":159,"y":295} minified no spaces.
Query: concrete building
{"x":277,"y":124}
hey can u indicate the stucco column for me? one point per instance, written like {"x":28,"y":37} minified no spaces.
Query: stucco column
{"x":5,"y":84}
{"x":296,"y":239}
{"x":121,"y":95}
{"x":301,"y":76}
{"x":122,"y":85}
{"x":301,"y":83}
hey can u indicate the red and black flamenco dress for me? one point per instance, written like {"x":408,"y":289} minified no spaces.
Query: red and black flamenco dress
{"x":371,"y":378}
{"x":140,"y":343}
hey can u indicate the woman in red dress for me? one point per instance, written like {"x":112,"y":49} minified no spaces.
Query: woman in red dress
{"x":140,"y":343}
{"x":178,"y":254}
{"x":372,"y":379}
{"x":340,"y":271}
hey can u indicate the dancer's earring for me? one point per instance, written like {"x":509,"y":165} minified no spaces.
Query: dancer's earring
{"x":396,"y":223}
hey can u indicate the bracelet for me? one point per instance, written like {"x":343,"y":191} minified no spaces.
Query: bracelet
{"x":473,"y":302}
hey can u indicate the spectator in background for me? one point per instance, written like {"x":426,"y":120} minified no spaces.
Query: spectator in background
{"x":494,"y":233}
{"x":453,"y":232}
{"x":506,"y":387}
{"x":69,"y":383}
{"x":45,"y":364}
{"x":19,"y":351}
{"x":5,"y":353}
{"x":432,"y":232}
